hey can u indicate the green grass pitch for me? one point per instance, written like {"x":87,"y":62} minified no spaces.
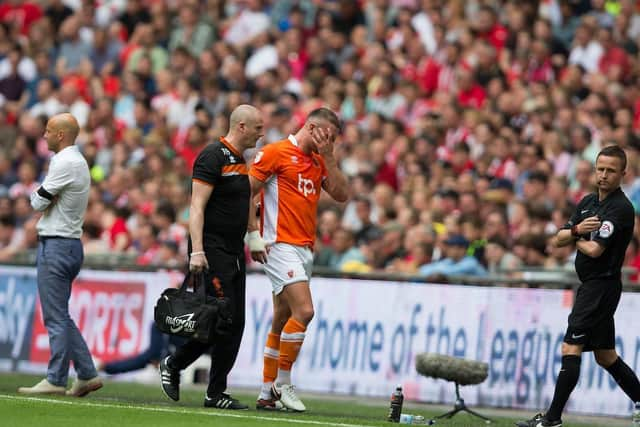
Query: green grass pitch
{"x":120,"y":404}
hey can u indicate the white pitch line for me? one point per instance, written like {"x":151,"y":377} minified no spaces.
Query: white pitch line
{"x":174,"y":411}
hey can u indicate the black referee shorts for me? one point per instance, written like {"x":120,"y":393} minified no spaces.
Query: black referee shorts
{"x":591,"y":321}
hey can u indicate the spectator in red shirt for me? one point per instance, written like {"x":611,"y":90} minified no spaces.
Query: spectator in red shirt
{"x":20,"y":13}
{"x":384,"y":171}
{"x":445,"y":77}
{"x":470,"y":93}
{"x":540,"y":68}
{"x":614,"y":62}
{"x":147,"y":244}
{"x":114,"y":228}
{"x":328,"y":223}
{"x":455,"y":130}
{"x":413,"y":108}
{"x":188,"y":144}
{"x":461,"y":160}
{"x":632,"y":260}
{"x":502,"y":163}
{"x":488,"y":28}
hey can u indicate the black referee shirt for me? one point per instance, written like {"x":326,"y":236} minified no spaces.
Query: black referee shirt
{"x":617,"y":217}
{"x":227,"y":212}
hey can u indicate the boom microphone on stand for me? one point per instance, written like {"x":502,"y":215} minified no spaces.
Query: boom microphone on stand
{"x":459,"y":371}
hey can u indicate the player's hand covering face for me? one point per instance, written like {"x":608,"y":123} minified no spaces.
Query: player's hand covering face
{"x":324,"y":139}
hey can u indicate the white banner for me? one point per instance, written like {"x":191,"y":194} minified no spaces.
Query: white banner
{"x":362,"y":340}
{"x":365,"y":335}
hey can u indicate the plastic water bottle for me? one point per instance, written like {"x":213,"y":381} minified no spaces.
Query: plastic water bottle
{"x":395,"y":407}
{"x":635,"y":418}
{"x":413,"y":419}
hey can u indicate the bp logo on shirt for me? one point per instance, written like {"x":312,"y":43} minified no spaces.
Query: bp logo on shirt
{"x":606,"y":229}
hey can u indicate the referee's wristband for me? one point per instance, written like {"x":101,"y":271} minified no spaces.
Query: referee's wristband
{"x":574,"y":232}
{"x":197,"y":253}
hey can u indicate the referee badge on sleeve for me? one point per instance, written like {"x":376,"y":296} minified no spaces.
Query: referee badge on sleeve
{"x":606,"y":229}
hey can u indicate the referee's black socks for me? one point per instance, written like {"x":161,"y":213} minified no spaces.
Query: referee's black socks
{"x":626,"y":379}
{"x":567,"y":380}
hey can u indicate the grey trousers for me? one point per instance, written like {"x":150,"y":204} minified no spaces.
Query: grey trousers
{"x":58,"y":262}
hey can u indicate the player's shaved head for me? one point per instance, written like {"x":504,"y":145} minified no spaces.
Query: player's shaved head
{"x":244,"y":113}
{"x":66,"y":124}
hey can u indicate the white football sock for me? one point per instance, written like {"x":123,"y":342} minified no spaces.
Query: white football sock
{"x":284,"y":377}
{"x":265,"y":391}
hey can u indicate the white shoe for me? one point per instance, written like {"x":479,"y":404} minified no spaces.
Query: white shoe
{"x":81,"y":388}
{"x":287,"y":395}
{"x":43,"y":387}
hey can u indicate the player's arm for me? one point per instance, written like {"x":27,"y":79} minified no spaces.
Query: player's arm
{"x":256,"y":244}
{"x":256,"y":188}
{"x":335,"y":183}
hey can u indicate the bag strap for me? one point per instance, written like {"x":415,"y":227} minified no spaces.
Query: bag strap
{"x":199,"y":286}
{"x":188,"y":278}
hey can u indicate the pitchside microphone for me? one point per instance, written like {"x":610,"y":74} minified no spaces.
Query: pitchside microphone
{"x":459,"y":371}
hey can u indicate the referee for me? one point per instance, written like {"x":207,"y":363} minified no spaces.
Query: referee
{"x":218,"y":219}
{"x":63,"y":198}
{"x":601,"y":228}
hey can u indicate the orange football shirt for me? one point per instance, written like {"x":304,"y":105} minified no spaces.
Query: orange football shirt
{"x":293,"y":182}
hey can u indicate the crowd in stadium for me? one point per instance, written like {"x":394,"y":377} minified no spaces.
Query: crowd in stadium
{"x":470,"y":127}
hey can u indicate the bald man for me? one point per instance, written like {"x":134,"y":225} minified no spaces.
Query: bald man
{"x":62,"y":198}
{"x":218,"y":219}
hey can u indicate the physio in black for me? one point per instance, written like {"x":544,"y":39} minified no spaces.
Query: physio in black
{"x":218,"y":218}
{"x":601,"y":229}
